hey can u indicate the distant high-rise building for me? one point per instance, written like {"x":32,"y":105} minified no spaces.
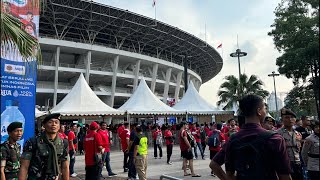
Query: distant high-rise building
{"x":272,"y":104}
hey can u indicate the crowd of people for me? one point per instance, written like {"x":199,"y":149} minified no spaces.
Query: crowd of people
{"x":254,"y":147}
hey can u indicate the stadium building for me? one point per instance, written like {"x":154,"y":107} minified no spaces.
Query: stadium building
{"x":113,"y":48}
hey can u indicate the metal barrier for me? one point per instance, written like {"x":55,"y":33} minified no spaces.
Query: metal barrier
{"x":169,"y":177}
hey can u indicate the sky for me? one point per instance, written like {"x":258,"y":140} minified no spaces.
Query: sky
{"x":222,"y":21}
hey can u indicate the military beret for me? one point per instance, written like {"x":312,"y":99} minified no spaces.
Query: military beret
{"x":51,"y":116}
{"x":14,"y":125}
{"x":285,"y":111}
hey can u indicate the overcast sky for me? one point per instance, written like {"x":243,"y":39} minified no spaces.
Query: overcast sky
{"x":250,"y":19}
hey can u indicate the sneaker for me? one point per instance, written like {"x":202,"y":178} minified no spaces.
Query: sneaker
{"x":125,"y":170}
{"x":203,"y":158}
{"x":170,"y":163}
{"x":74,"y":175}
{"x":112,"y":174}
{"x":195,"y":158}
{"x":155,"y":157}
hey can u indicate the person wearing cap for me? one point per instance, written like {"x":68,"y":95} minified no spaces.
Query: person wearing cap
{"x":268,"y":123}
{"x":93,"y":153}
{"x":104,"y":133}
{"x":10,"y":152}
{"x":45,"y":156}
{"x":293,"y":142}
{"x":310,"y":152}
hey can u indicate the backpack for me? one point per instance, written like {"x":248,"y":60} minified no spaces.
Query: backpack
{"x":203,"y":135}
{"x":191,"y":139}
{"x":251,"y":163}
{"x":214,"y":140}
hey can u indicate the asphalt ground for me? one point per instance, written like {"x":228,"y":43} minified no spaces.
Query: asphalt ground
{"x":156,"y":167}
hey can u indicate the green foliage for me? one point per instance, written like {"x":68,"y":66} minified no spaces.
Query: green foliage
{"x":301,"y":100}
{"x":231,"y":91}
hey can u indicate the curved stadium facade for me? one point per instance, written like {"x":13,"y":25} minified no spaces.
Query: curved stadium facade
{"x":113,"y":48}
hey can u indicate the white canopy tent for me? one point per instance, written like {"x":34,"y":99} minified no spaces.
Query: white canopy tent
{"x":39,"y":113}
{"x":194,"y":104}
{"x":82,"y":101}
{"x":144,"y":102}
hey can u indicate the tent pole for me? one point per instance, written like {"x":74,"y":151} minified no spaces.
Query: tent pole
{"x":128,"y":119}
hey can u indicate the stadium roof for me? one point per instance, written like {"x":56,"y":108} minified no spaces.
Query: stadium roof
{"x":91,"y":22}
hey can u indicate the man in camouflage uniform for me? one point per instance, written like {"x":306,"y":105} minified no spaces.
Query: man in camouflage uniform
{"x":10,"y":152}
{"x":45,"y":156}
{"x":293,"y":142}
{"x":310,"y":152}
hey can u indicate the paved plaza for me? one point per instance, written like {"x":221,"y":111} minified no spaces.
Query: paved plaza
{"x":156,"y":167}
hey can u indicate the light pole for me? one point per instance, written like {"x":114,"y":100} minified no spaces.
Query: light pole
{"x":239,"y":54}
{"x":273,"y":74}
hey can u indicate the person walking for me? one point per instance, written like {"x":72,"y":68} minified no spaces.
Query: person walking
{"x":293,"y":142}
{"x":132,"y":173}
{"x":104,"y":133}
{"x":45,"y":157}
{"x":10,"y":152}
{"x":203,"y":135}
{"x":125,"y":137}
{"x":195,"y":131}
{"x":186,"y":150}
{"x":253,"y":152}
{"x":157,"y":142}
{"x":169,"y":142}
{"x":93,"y":153}
{"x":141,"y":154}
{"x":73,"y":140}
{"x":310,"y":152}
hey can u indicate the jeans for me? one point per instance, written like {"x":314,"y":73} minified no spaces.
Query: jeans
{"x":92,"y":173}
{"x":203,"y":146}
{"x":169,"y":152}
{"x":72,"y":161}
{"x":132,"y":169}
{"x":125,"y":160}
{"x":195,"y":150}
{"x":156,"y":146}
{"x":106,"y":159}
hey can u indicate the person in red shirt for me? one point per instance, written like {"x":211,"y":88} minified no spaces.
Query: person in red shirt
{"x":230,"y":129}
{"x":157,"y":141}
{"x":169,"y":142}
{"x":92,"y":146}
{"x":186,"y":150}
{"x":215,"y":150}
{"x":119,"y":131}
{"x":61,"y":133}
{"x":72,"y":148}
{"x":104,"y":133}
{"x":195,"y":131}
{"x":125,"y":137}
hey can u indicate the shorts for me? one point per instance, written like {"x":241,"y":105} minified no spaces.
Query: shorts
{"x":187,"y":154}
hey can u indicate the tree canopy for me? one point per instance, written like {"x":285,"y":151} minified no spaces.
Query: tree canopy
{"x":232,"y":90}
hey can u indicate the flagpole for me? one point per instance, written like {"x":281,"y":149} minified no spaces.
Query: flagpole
{"x":155,"y":13}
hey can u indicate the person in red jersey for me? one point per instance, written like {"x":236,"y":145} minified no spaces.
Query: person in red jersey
{"x":104,"y":133}
{"x":169,"y":142}
{"x":119,"y":131}
{"x":73,"y":140}
{"x":92,"y":146}
{"x":125,"y":138}
{"x":195,"y":131}
{"x":61,"y":133}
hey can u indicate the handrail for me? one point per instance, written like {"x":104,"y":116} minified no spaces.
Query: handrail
{"x":163,"y":176}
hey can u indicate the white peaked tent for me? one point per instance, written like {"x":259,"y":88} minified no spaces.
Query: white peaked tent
{"x":39,"y":113}
{"x":194,"y":104}
{"x":144,"y":102}
{"x":82,"y":101}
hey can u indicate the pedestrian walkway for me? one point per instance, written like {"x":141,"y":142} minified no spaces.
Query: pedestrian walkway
{"x":156,"y":167}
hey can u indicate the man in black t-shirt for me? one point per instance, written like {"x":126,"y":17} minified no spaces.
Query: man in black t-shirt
{"x":305,"y":129}
{"x":132,"y":173}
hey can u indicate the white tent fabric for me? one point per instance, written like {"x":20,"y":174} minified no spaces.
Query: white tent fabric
{"x":39,"y":113}
{"x":194,"y":104}
{"x":144,"y":102}
{"x":82,"y":101}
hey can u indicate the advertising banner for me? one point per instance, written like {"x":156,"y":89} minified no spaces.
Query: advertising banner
{"x":18,"y":78}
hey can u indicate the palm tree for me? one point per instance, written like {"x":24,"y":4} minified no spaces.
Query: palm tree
{"x":231,"y":91}
{"x":12,"y":35}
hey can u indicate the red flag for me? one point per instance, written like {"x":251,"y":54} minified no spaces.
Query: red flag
{"x":220,"y":46}
{"x":154,"y":3}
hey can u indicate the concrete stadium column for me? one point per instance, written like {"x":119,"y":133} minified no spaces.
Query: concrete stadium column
{"x":136,"y":74}
{"x":176,"y":92}
{"x":166,"y":85}
{"x":88,"y":63}
{"x":114,"y":80}
{"x":56,"y":76}
{"x":154,"y":77}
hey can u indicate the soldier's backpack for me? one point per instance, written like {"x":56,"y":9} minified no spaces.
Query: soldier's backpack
{"x":249,"y":156}
{"x":214,"y":140}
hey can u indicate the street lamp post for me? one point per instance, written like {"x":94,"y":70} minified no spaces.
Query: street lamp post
{"x":239,"y":54}
{"x":273,"y":74}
